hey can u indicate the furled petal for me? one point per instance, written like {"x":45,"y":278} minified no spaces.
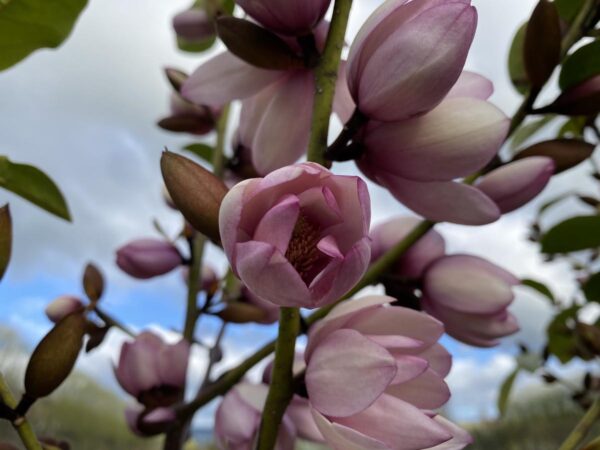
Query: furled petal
{"x":320,"y":206}
{"x":299,"y":413}
{"x":460,"y":438}
{"x":343,"y":104}
{"x":225,"y":78}
{"x":515,"y":184}
{"x":434,"y":46}
{"x":454,"y":140}
{"x":427,"y":391}
{"x":137,"y":370}
{"x":340,"y":437}
{"x":282,"y":136}
{"x":469,"y":284}
{"x":471,"y":84}
{"x":443,"y":201}
{"x":267,"y":273}
{"x":440,"y":360}
{"x":173,"y":363}
{"x":347,"y":372}
{"x":236,"y":421}
{"x":409,"y":367}
{"x":398,"y":424}
{"x":277,"y":225}
{"x":329,"y":246}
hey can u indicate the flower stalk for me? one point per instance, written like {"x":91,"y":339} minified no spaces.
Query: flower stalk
{"x":582,"y":429}
{"x":21,"y":425}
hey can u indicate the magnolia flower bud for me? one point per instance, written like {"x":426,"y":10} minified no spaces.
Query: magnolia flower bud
{"x":515,"y":184}
{"x":152,"y":371}
{"x":62,"y":307}
{"x":189,"y":118}
{"x":147,"y":258}
{"x":291,"y":17}
{"x":297,"y":237}
{"x":408,"y":55}
{"x":393,"y":351}
{"x":194,"y":25}
{"x":580,"y":100}
{"x":470,"y":296}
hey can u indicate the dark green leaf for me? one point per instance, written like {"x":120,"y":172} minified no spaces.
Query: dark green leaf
{"x":580,"y":66}
{"x":516,"y":65}
{"x":256,"y":45}
{"x":574,"y":127}
{"x":202,"y":151}
{"x":566,"y":153}
{"x":562,"y":342}
{"x":529,"y":129}
{"x":577,"y":233}
{"x":540,"y":287}
{"x":196,"y":47}
{"x":28,"y":25}
{"x":542,"y":46}
{"x":568,"y":9}
{"x":505,"y":391}
{"x":591,"y":288}
{"x":5,"y":239}
{"x":34,"y":185}
{"x":228,"y":6}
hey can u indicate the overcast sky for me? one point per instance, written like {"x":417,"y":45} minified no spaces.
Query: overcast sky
{"x":86,"y":115}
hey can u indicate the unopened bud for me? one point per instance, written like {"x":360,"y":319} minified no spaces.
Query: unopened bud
{"x":93,"y":282}
{"x":62,"y":307}
{"x":241,"y":313}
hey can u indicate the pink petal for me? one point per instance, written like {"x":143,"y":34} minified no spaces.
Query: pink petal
{"x":340,"y":437}
{"x":455,"y":139}
{"x":409,"y":368}
{"x":440,"y":360}
{"x":343,"y":105}
{"x":468,"y":284}
{"x":267,"y":273}
{"x":225,"y":78}
{"x":427,"y":391}
{"x":277,"y":225}
{"x":320,"y":206}
{"x":347,"y":372}
{"x":137,"y":370}
{"x":515,"y":184}
{"x":398,"y":424}
{"x":299,"y":413}
{"x":395,"y":343}
{"x":471,"y":84}
{"x":282,"y":136}
{"x":460,"y":438}
{"x":443,"y":201}
{"x":328,"y":246}
{"x":235,"y":421}
{"x":173,"y":363}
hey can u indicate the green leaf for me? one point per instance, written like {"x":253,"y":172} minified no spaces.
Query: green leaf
{"x":540,"y":287}
{"x":561,"y":336}
{"x":574,"y":127}
{"x":196,"y":47}
{"x":591,"y":288}
{"x":574,"y":234}
{"x":28,"y":25}
{"x":202,"y":151}
{"x":228,"y":6}
{"x":504,"y":394}
{"x":529,"y":361}
{"x":529,"y":129}
{"x":568,"y":9}
{"x":34,"y":185}
{"x":516,"y":62}
{"x":5,"y":239}
{"x":566,"y":153}
{"x":582,"y":65}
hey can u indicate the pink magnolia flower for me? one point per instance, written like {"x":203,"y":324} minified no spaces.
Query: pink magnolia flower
{"x":149,"y":423}
{"x":194,"y":25}
{"x":289,"y":17}
{"x":152,"y":371}
{"x":297,"y":237}
{"x":147,"y":258}
{"x":418,"y":159}
{"x":277,"y":104}
{"x":238,"y":418}
{"x":62,"y":307}
{"x":408,"y":55}
{"x":515,"y":184}
{"x":471,"y":296}
{"x":374,"y":372}
{"x":415,"y":260}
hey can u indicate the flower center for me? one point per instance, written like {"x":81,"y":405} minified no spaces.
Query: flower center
{"x":302,"y":250}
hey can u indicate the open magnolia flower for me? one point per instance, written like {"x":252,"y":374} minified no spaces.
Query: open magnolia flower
{"x":374,"y":374}
{"x":297,"y":237}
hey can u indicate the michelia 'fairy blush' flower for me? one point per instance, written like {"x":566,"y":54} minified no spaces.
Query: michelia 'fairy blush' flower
{"x":289,"y":17}
{"x":297,"y":237}
{"x":62,"y":307}
{"x":374,"y":373}
{"x":152,"y":371}
{"x":147,"y":258}
{"x":408,"y":55}
{"x":415,"y":260}
{"x":418,"y":159}
{"x":515,"y":184}
{"x":471,"y":296}
{"x":238,"y":418}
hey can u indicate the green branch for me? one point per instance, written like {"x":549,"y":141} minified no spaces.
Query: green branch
{"x":21,"y":425}
{"x":325,"y":79}
{"x":582,"y":429}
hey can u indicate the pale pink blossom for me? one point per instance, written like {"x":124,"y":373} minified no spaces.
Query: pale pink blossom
{"x":147,"y":258}
{"x":297,"y":237}
{"x":470,"y":296}
{"x":62,"y":307}
{"x":374,"y":372}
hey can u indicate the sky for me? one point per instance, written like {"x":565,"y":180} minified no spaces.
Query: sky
{"x":86,"y":115}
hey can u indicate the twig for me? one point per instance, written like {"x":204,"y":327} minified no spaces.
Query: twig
{"x":582,"y":429}
{"x":21,"y":425}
